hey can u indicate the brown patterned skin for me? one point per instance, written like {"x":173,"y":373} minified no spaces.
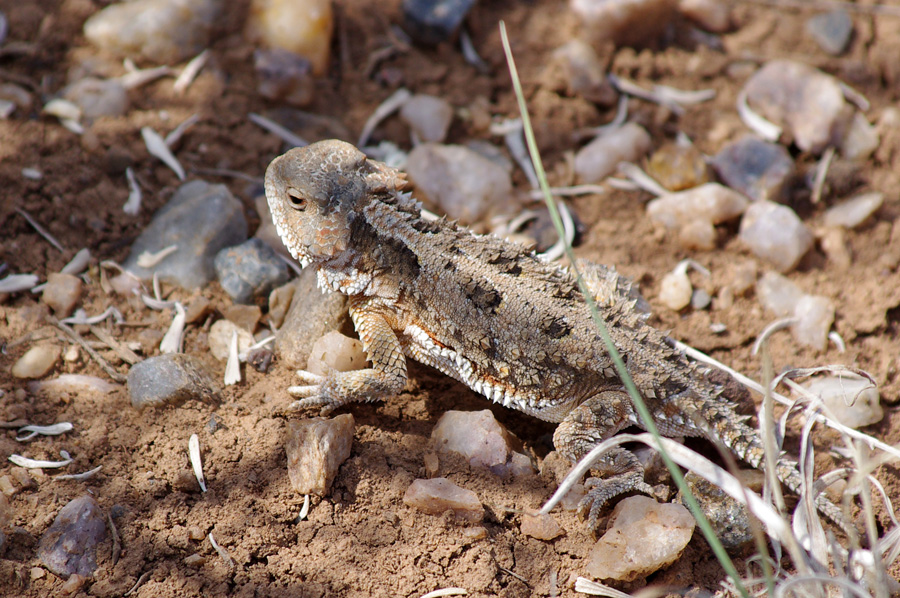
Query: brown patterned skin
{"x":491,"y":315}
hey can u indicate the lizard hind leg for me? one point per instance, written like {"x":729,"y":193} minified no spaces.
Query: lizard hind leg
{"x":618,"y":470}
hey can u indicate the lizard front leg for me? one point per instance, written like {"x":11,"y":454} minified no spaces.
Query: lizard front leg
{"x":619,"y":470}
{"x":385,"y":378}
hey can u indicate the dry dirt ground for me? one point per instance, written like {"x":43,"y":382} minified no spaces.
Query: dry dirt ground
{"x":361,"y":540}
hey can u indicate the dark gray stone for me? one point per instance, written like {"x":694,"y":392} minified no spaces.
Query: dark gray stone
{"x":171,"y":378}
{"x":311,"y":314}
{"x":250,"y":270}
{"x":201,"y":220}
{"x":831,"y":30}
{"x":69,"y":546}
{"x":433,"y":21}
{"x":758,"y":169}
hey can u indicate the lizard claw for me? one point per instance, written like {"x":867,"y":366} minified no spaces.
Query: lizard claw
{"x":310,"y":394}
{"x":601,"y":490}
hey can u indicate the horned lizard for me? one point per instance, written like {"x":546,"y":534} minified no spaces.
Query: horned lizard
{"x":490,"y":314}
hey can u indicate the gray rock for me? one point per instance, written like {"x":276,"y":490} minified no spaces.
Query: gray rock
{"x":775,"y":233}
{"x":201,"y":220}
{"x":462,"y":184}
{"x":758,"y":169}
{"x":250,"y":270}
{"x":171,"y":378}
{"x":69,"y":546}
{"x":433,"y":21}
{"x":808,"y":103}
{"x":98,"y":97}
{"x":831,"y":30}
{"x":599,"y":158}
{"x":161,"y":31}
{"x":309,"y":317}
{"x":729,"y":518}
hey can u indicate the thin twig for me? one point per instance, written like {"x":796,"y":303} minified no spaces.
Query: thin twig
{"x":124,"y":353}
{"x":104,"y":365}
{"x":117,"y":543}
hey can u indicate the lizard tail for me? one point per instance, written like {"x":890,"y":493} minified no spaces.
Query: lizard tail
{"x":724,"y":426}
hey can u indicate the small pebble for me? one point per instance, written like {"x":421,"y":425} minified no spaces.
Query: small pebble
{"x":434,"y":21}
{"x":220,"y":338}
{"x":600,"y":158}
{"x":97,"y":97}
{"x":853,"y":212}
{"x":161,"y":31}
{"x":694,"y":212}
{"x":303,"y":27}
{"x":126,"y":284}
{"x":459,"y":182}
{"x":334,"y":351}
{"x":700,"y":299}
{"x":711,"y":15}
{"x":815,"y":315}
{"x":643,"y":537}
{"x":776,"y":234}
{"x":244,"y":316}
{"x":675,"y":290}
{"x":758,"y":169}
{"x":833,"y":242}
{"x":200,"y":220}
{"x":729,"y":518}
{"x":479,"y":437}
{"x":37,"y":361}
{"x":808,"y":103}
{"x":315,"y":450}
{"x":542,"y":527}
{"x":62,"y":293}
{"x":250,"y":270}
{"x":575,"y":68}
{"x":7,"y":487}
{"x":860,"y":140}
{"x":623,"y":23}
{"x":260,"y":359}
{"x":778,"y":294}
{"x":853,"y":401}
{"x":428,"y":116}
{"x":311,"y":314}
{"x":69,"y":546}
{"x":437,"y":495}
{"x":197,"y":310}
{"x":283,"y":76}
{"x":831,"y":30}
{"x":171,"y":378}
{"x":678,"y":166}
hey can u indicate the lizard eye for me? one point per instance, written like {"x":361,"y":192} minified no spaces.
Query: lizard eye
{"x":298,"y":202}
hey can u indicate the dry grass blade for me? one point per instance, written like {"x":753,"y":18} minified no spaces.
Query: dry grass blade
{"x":40,"y":229}
{"x":759,"y":125}
{"x":52,"y":430}
{"x":151,"y":260}
{"x":445,"y":592}
{"x":304,"y":510}
{"x":640,"y":178}
{"x":124,"y":353}
{"x":272,"y":127}
{"x":821,"y":173}
{"x":512,"y":129}
{"x":79,"y":477}
{"x":222,"y":552}
{"x":157,"y":147}
{"x":171,"y":342}
{"x":15,"y":283}
{"x":139,"y":77}
{"x":233,"y":365}
{"x":178,"y":132}
{"x":190,"y":72}
{"x":393,"y":103}
{"x":78,"y":263}
{"x":196,"y":461}
{"x":133,"y":205}
{"x":40,"y":464}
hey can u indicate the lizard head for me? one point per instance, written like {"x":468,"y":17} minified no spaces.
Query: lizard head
{"x":315,"y":192}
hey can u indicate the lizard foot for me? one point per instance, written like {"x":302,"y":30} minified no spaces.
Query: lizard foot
{"x":310,"y":393}
{"x":601,"y":490}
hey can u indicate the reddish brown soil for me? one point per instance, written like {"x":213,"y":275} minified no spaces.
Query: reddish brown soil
{"x":361,"y":540}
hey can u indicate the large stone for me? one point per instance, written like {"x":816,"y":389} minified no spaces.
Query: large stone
{"x":309,"y":317}
{"x":161,"y":31}
{"x":69,"y":546}
{"x":479,"y":437}
{"x":315,"y":450}
{"x":200,"y":220}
